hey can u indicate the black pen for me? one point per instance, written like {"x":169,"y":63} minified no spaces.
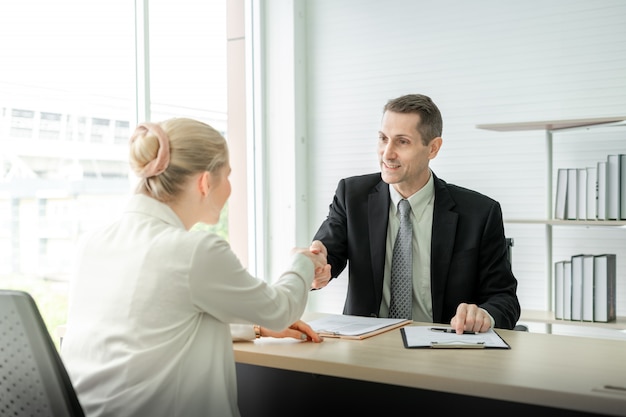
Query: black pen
{"x":450,"y":330}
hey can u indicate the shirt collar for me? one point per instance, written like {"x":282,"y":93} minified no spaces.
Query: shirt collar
{"x":419,"y":200}
{"x":140,"y":203}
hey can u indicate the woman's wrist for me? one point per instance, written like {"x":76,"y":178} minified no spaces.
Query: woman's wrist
{"x":257,"y":331}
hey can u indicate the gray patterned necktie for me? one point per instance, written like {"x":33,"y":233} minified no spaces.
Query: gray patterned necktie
{"x":402,"y":266}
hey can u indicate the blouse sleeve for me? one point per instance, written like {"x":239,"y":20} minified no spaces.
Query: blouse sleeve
{"x":223,"y":288}
{"x":242,"y":332}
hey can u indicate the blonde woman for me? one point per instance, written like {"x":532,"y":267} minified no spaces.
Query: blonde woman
{"x":151,"y":302}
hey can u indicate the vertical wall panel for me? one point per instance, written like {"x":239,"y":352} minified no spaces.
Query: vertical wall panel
{"x":482,"y":62}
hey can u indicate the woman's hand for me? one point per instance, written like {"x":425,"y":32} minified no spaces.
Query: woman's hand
{"x":299,"y":330}
{"x":317,"y":255}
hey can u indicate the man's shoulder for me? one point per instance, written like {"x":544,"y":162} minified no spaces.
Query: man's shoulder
{"x":460,"y":193}
{"x":372,"y":178}
{"x":362,"y":182}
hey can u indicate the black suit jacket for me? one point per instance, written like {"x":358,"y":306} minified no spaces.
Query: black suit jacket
{"x":468,"y":255}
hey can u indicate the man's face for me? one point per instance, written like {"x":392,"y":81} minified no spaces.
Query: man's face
{"x":402,"y":155}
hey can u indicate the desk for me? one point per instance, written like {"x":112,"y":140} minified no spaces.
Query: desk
{"x":542,"y":374}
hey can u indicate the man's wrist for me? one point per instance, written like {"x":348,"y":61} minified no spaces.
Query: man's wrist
{"x":257,"y":331}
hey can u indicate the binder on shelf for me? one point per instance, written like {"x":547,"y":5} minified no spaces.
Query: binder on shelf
{"x":561,"y":194}
{"x":604,"y":288}
{"x":581,"y":210}
{"x":601,"y":190}
{"x":558,"y":289}
{"x":592,"y":193}
{"x":612,"y":187}
{"x":588,"y":274}
{"x":567,"y":290}
{"x":572,"y":190}
{"x":622,"y":186}
{"x":577,"y":287}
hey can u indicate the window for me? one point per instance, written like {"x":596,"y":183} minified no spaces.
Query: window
{"x":67,"y":108}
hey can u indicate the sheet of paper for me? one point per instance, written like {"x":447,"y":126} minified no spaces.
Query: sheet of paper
{"x":441,"y":336}
{"x":342,"y":324}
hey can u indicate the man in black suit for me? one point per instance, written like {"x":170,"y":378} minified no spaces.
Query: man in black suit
{"x":461,"y":274}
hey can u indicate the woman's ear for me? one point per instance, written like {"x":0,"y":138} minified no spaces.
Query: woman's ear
{"x":204,"y":183}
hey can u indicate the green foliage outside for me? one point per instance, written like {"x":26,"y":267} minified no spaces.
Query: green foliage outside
{"x":50,"y":297}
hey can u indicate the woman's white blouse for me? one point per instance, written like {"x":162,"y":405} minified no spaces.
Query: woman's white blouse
{"x":150,"y":306}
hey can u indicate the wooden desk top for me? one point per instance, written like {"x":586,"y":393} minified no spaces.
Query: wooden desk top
{"x":542,"y":369}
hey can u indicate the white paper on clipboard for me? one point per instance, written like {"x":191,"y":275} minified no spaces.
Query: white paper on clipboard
{"x":443,"y":337}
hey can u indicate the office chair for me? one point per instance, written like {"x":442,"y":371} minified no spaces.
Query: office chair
{"x":33,"y":379}
{"x":509,"y":255}
{"x":509,"y":250}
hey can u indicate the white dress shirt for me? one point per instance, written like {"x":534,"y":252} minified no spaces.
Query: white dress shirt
{"x":148,"y":331}
{"x":422,"y":205}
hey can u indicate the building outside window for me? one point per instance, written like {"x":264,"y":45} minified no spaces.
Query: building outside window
{"x":68,"y":104}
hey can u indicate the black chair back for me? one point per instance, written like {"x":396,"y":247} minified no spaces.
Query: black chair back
{"x":33,"y":379}
{"x":509,"y":254}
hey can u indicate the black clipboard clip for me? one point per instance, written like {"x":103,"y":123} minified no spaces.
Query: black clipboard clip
{"x":449,"y":330}
{"x":457,"y":344}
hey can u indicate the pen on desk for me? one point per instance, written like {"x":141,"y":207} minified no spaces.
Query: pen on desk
{"x":444,"y":330}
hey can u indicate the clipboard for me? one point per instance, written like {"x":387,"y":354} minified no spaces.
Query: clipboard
{"x":346,"y":326}
{"x":442,"y":337}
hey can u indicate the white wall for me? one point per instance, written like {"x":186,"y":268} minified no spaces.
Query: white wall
{"x":481,"y":62}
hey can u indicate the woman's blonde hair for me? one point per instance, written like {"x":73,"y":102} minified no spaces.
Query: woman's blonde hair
{"x":180,"y":147}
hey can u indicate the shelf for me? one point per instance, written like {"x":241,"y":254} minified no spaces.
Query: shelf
{"x":547,"y":317}
{"x":554,"y":124}
{"x":550,"y":127}
{"x":599,"y":223}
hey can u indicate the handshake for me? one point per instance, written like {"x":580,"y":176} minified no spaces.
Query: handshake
{"x":317,"y":253}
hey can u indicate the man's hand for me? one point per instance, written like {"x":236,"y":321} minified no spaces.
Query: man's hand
{"x":322,"y":274}
{"x":471,"y":318}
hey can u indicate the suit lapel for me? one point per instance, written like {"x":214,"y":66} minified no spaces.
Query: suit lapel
{"x":378,"y":218}
{"x":444,"y":233}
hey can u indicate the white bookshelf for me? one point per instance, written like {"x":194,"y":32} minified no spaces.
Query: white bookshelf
{"x":549,"y":127}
